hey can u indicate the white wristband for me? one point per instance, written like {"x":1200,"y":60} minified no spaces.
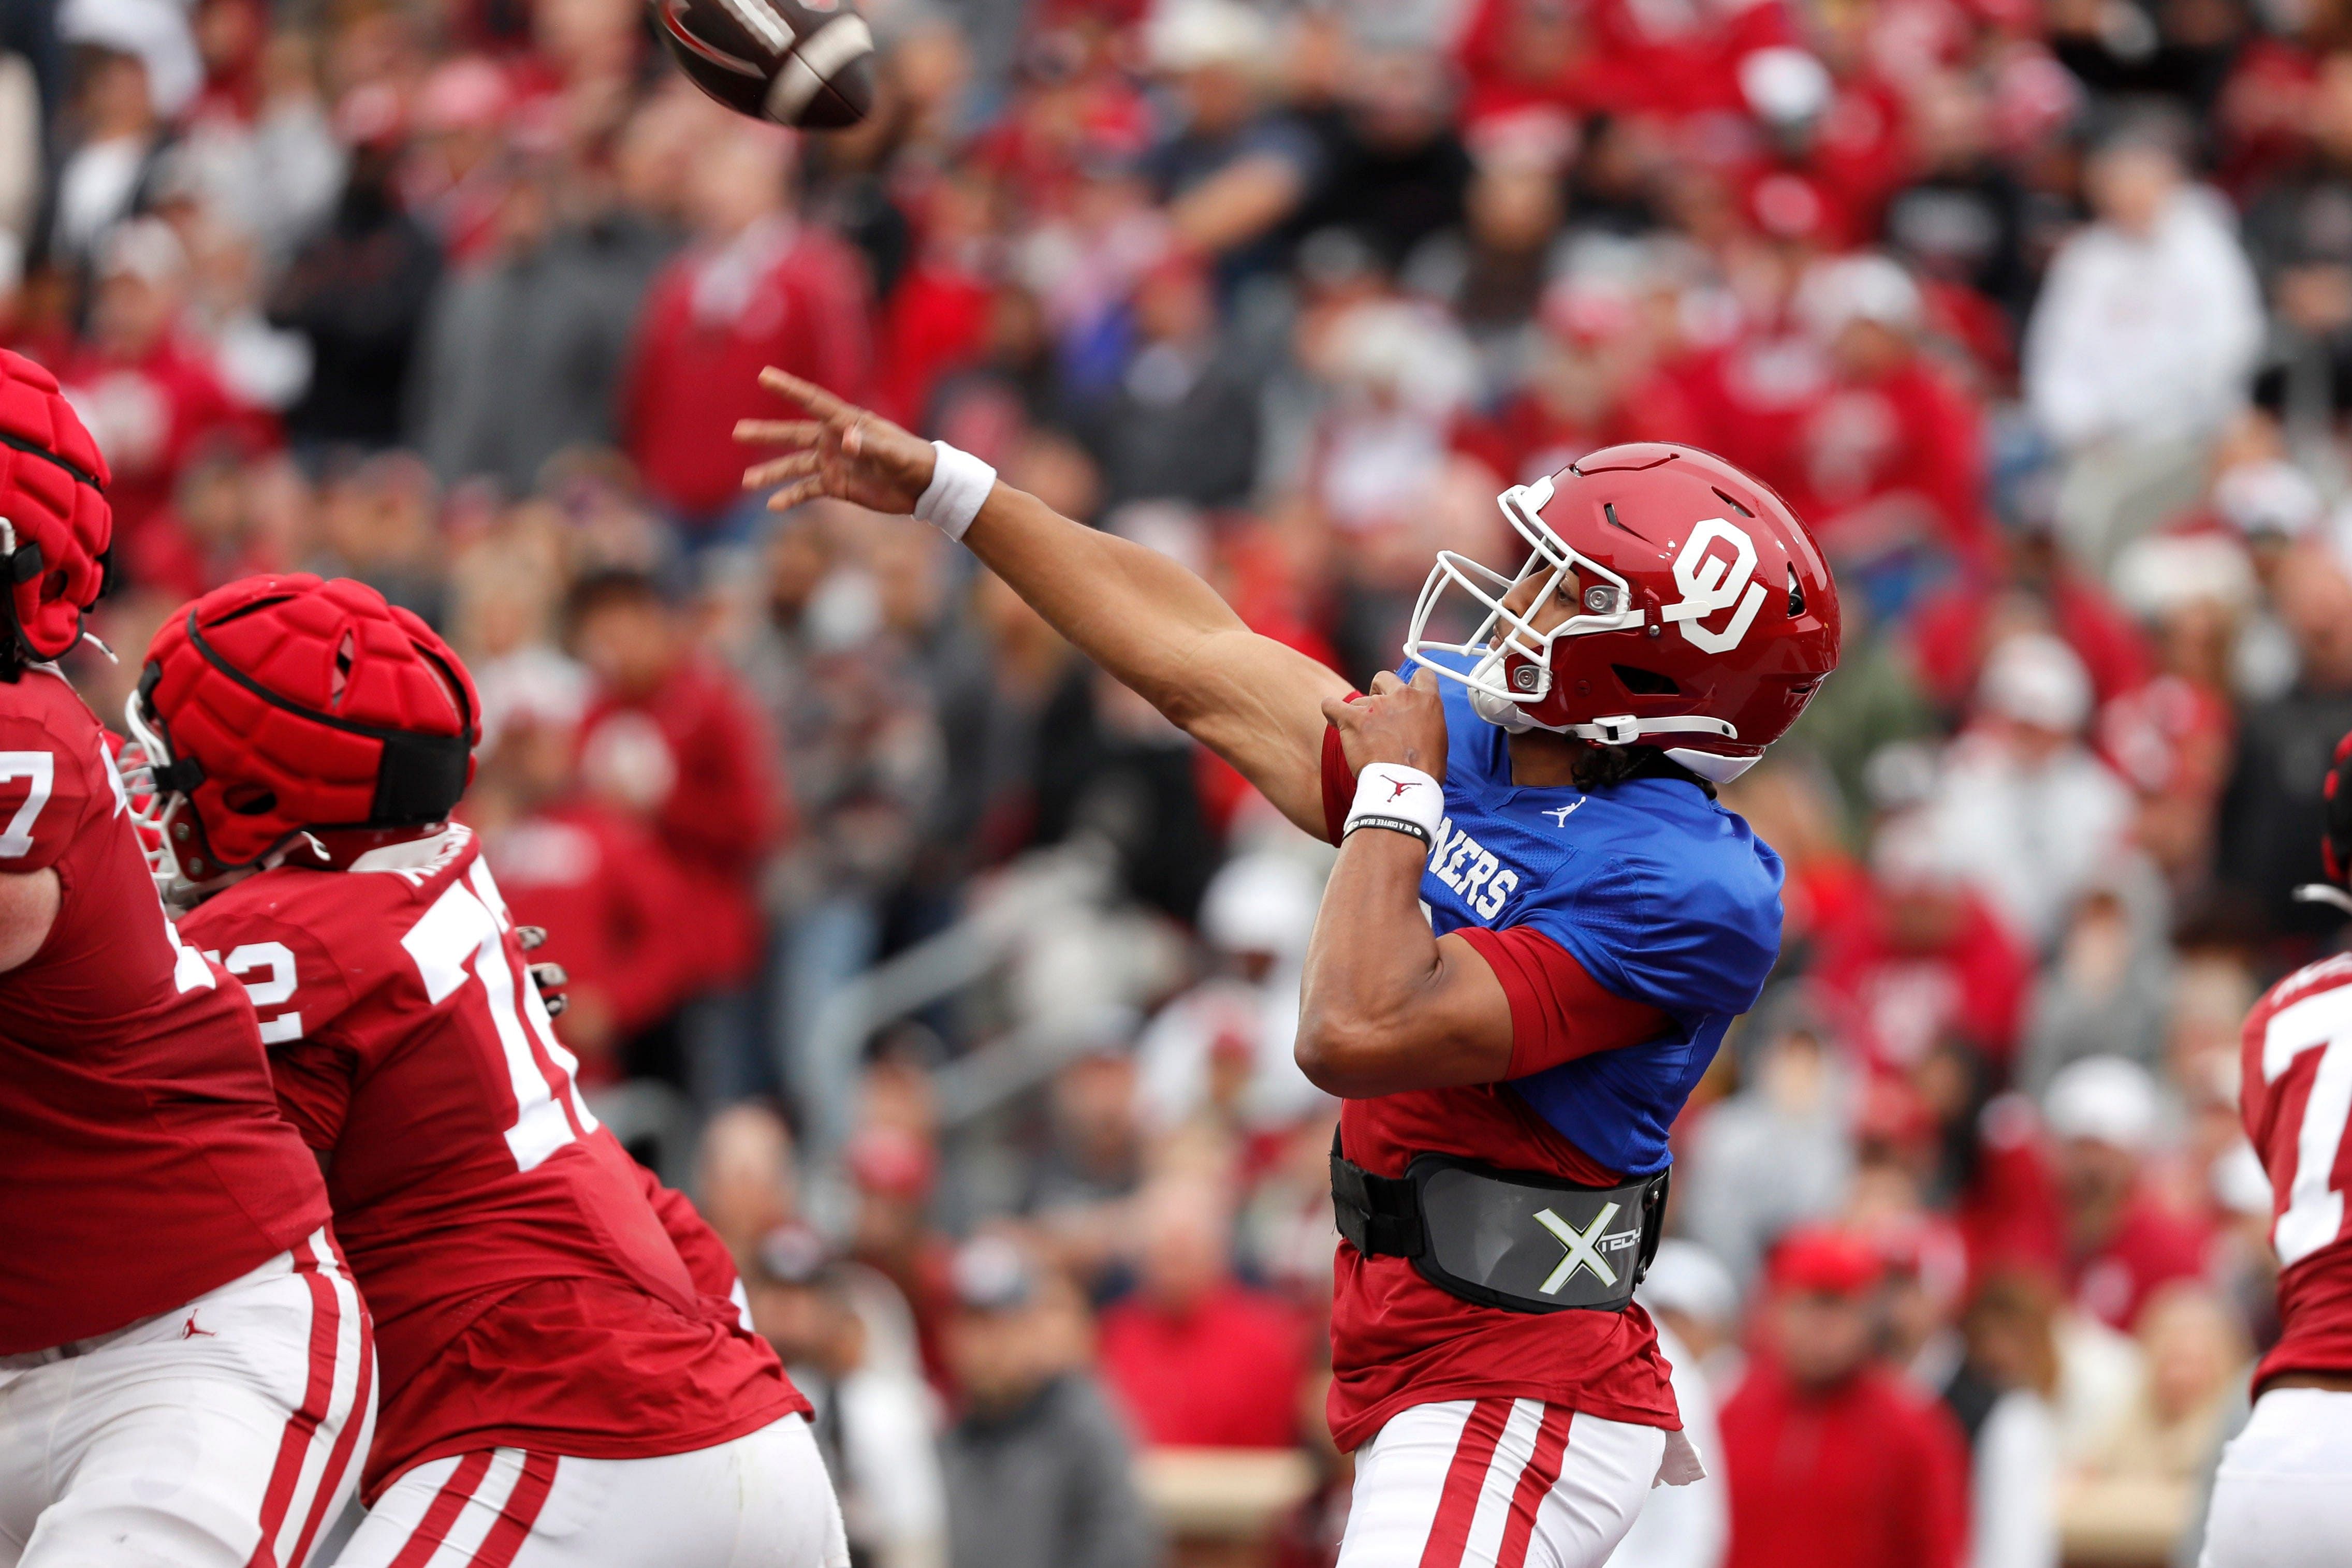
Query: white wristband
{"x":959,"y":483}
{"x":1402,"y":799}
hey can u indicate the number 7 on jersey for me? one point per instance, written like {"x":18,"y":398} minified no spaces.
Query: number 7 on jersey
{"x":2315,"y":1211}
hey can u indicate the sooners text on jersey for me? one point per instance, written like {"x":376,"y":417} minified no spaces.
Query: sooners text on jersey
{"x":142,"y":1160}
{"x":2294,"y":1096}
{"x":525,"y":1290}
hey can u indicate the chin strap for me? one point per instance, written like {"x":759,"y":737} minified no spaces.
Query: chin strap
{"x":2324,"y":893}
{"x":1622,"y":729}
{"x":1626,"y":731}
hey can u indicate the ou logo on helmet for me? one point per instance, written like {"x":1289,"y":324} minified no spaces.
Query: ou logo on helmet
{"x":1713,"y":582}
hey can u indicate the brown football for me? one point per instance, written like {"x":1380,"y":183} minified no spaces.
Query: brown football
{"x":805,"y":63}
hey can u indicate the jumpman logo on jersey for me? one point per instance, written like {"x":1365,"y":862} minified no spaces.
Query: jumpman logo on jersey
{"x":190,"y":1331}
{"x":1560,"y":814}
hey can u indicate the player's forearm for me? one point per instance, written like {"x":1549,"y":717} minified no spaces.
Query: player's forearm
{"x":1133,"y":610}
{"x":1381,"y":1007}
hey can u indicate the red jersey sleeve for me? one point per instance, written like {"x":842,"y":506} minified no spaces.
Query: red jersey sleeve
{"x":1558,"y":1012}
{"x":298,"y":992}
{"x":1338,"y":780}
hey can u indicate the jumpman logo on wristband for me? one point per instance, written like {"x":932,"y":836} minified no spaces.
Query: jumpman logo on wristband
{"x":1397,"y":787}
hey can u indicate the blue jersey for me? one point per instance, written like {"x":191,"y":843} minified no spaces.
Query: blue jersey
{"x":1662,"y":895}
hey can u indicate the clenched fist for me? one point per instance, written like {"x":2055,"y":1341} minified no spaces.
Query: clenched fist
{"x":1398,"y":722}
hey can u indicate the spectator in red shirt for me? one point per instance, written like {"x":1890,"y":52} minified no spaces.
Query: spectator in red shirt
{"x":148,"y":389}
{"x":895,"y":1167}
{"x":1525,"y":55}
{"x":2123,"y":1240}
{"x":1919,"y":957}
{"x":1592,"y":382}
{"x":758,"y":287}
{"x":673,"y":736}
{"x":616,"y":912}
{"x":1834,"y":1460}
{"x":1198,"y":1359}
{"x":1893,"y":453}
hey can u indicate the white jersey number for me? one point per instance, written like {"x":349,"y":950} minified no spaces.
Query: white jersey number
{"x":470,"y":922}
{"x":274,"y":989}
{"x":42,"y":770}
{"x":2315,"y":1210}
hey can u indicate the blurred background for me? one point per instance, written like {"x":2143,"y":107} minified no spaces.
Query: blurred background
{"x":959,"y":987}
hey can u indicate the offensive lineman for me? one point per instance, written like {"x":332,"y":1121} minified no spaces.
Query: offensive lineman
{"x":1539,"y":925}
{"x":185,"y":1367}
{"x":2283,"y":1496}
{"x":567,"y":1382}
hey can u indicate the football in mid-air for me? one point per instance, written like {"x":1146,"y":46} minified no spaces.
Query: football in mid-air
{"x":806,"y":63}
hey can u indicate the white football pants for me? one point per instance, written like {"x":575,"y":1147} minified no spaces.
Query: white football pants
{"x":223,"y":1433}
{"x":1504,"y":1483}
{"x":2282,"y":1497}
{"x":760,"y":1501}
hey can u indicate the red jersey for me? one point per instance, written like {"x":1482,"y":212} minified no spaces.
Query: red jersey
{"x":723,"y":807}
{"x":2294,"y":1095}
{"x":1872,"y":1473}
{"x":1902,"y":996}
{"x":2151,"y":1247}
{"x":526,"y":1292}
{"x":142,"y":1160}
{"x":779,"y":294}
{"x":1398,"y":1341}
{"x":1222,"y":1373}
{"x":619,"y":917}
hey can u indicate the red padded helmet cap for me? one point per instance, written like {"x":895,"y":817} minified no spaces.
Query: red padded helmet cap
{"x":53,"y":498}
{"x":305,"y":704}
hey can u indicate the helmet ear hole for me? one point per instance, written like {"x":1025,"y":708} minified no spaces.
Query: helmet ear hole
{"x":250,"y":799}
{"x":1646,"y":683}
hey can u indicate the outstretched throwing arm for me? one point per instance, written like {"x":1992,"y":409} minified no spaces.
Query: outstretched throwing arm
{"x":1157,"y":628}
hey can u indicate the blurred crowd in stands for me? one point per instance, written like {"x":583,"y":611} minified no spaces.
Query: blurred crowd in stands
{"x":960,"y":987}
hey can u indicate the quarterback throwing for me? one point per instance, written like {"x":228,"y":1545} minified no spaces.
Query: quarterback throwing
{"x":1538,"y":928}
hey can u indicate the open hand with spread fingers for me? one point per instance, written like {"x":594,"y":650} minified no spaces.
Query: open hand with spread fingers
{"x":840,"y":450}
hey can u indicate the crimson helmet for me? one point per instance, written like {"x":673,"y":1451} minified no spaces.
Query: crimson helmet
{"x":1707,"y":617}
{"x":56,"y":528}
{"x":281,"y":705}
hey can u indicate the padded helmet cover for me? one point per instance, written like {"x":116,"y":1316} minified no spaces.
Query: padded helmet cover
{"x":53,"y":497}
{"x":306,"y":704}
